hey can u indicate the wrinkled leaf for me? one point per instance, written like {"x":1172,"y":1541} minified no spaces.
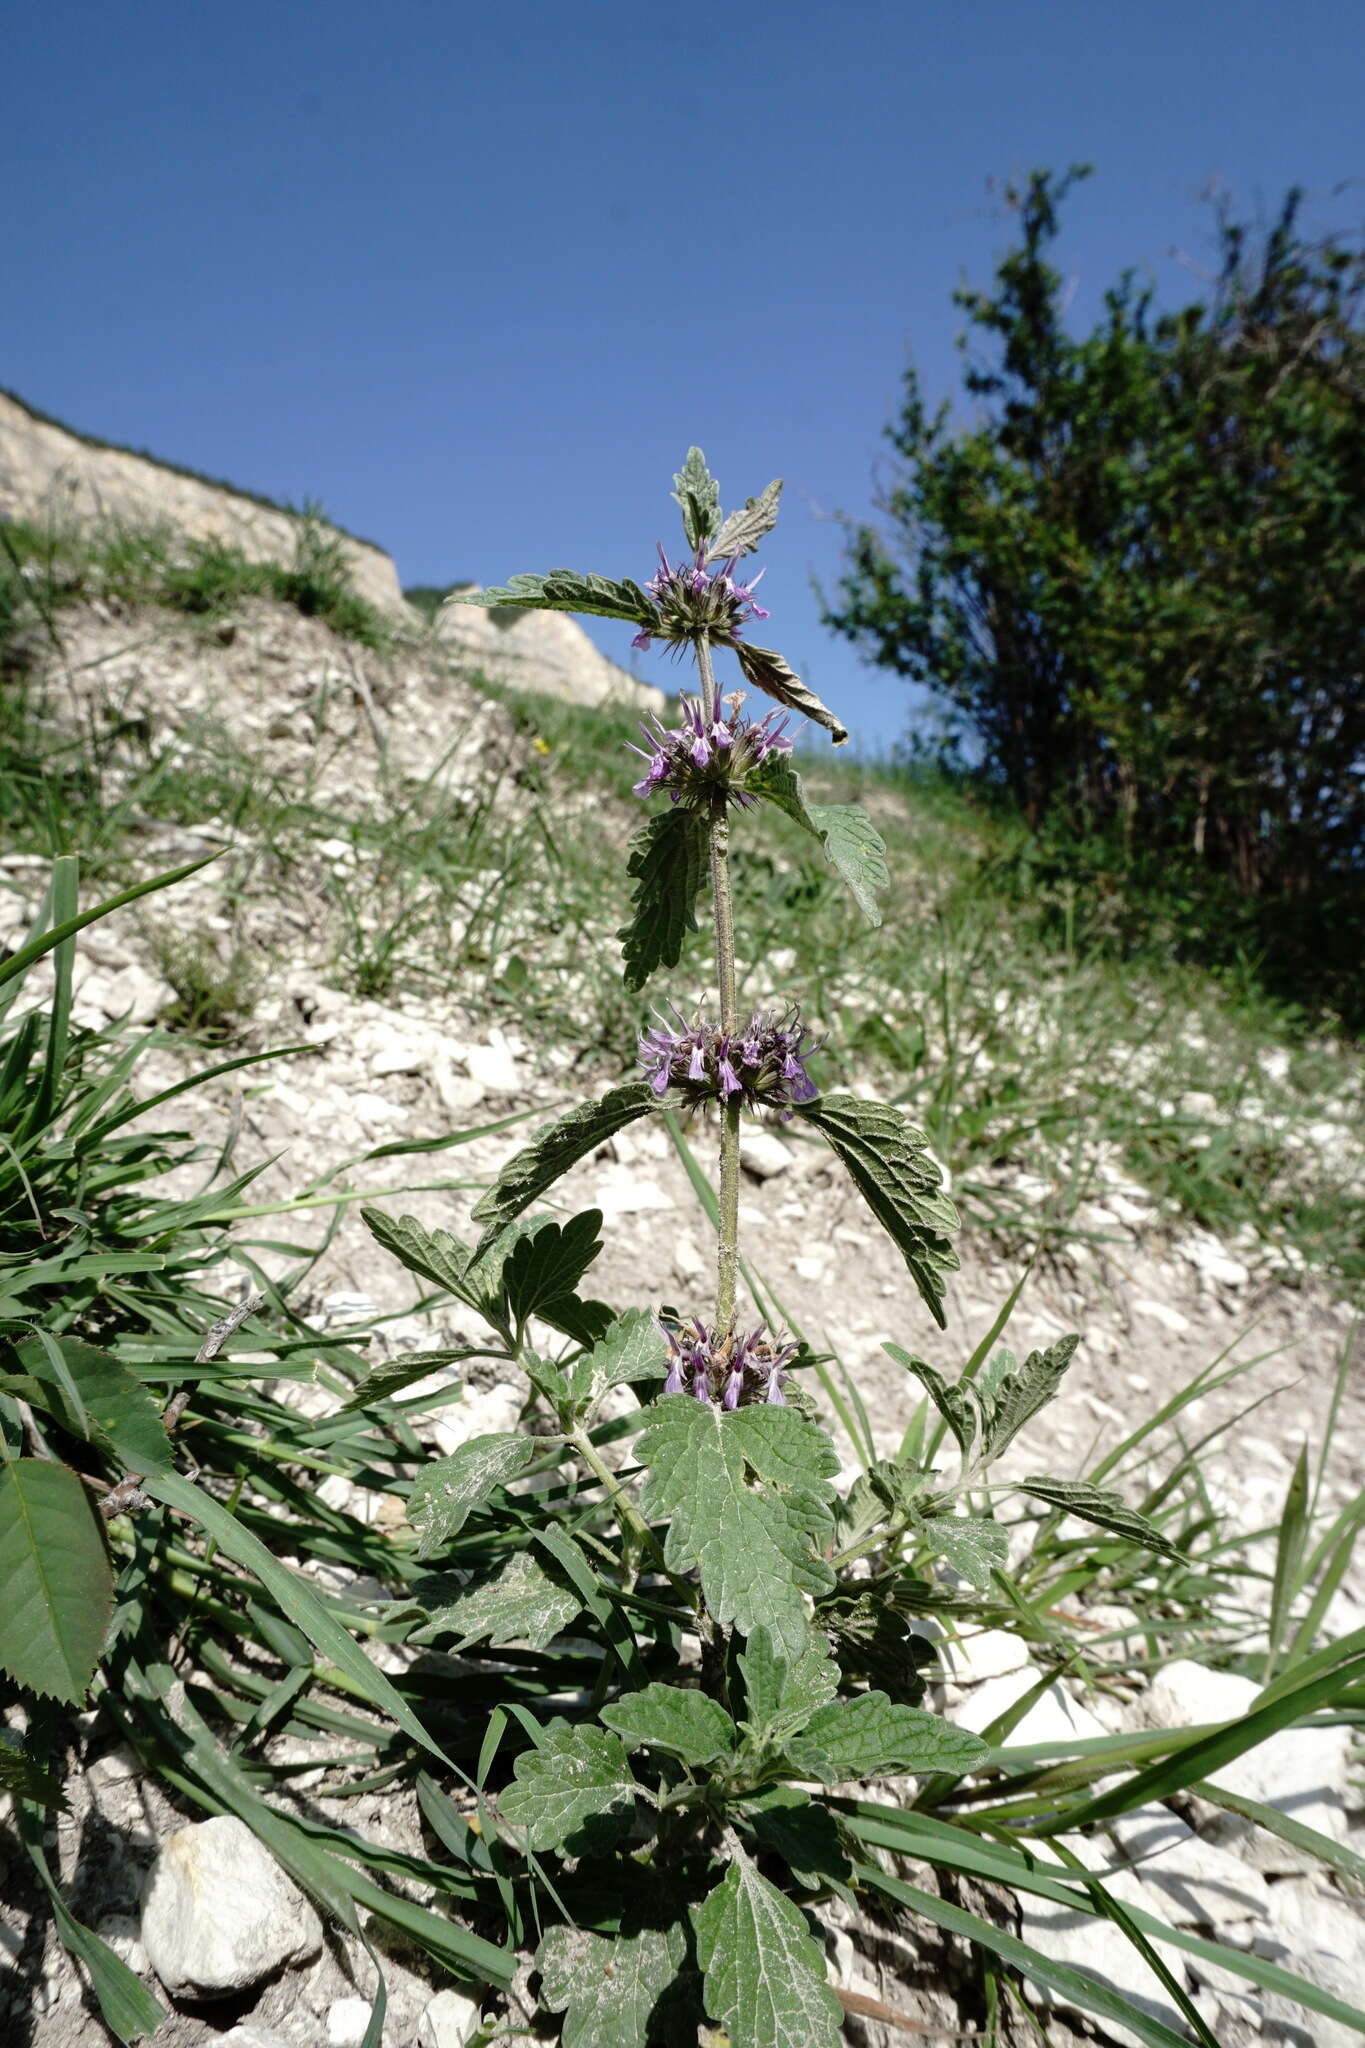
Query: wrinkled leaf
{"x":697,"y":496}
{"x":851,"y":841}
{"x":632,"y":1348}
{"x":575,"y":1792}
{"x":803,"y":1833}
{"x":974,"y":1549}
{"x":1107,"y":1510}
{"x":432,"y":1254}
{"x":542,"y":1270}
{"x":667,"y":864}
{"x":565,"y":590}
{"x":764,"y":1973}
{"x":523,"y":1601}
{"x":382,"y":1382}
{"x":767,"y":671}
{"x":956,"y":1410}
{"x":889,"y":1163}
{"x":615,"y":1991}
{"x":554,"y":1150}
{"x":444,"y":1493}
{"x":744,"y":531}
{"x":782,"y":1692}
{"x":58,"y":1589}
{"x":670,"y":1717}
{"x":756,"y":1541}
{"x":1009,"y":1395}
{"x":871,"y":1736}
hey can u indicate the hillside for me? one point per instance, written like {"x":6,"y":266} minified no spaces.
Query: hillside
{"x":418,"y":881}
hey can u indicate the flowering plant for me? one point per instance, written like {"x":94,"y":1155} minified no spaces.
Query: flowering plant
{"x":745,"y":1630}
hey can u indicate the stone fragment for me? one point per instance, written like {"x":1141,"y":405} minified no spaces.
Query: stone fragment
{"x":218,"y":1913}
{"x":250,"y":2035}
{"x":1198,"y":1883}
{"x":763,"y":1154}
{"x":982,"y":1654}
{"x":1098,"y":1948}
{"x":1162,"y":1312}
{"x":494,"y":1068}
{"x":449,"y":2021}
{"x":1302,"y":1771}
{"x":624,"y":1192}
{"x":347,"y":2019}
{"x":484,"y":1411}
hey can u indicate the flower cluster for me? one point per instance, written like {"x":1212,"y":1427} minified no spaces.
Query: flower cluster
{"x":706,"y":759}
{"x":762,"y":1062}
{"x":696,"y":603}
{"x":736,"y":1369}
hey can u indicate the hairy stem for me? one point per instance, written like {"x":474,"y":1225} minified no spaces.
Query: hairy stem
{"x":723,"y":909}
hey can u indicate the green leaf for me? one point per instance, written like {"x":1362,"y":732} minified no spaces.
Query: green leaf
{"x":565,"y":590}
{"x":782,"y":1692}
{"x":956,"y":1410}
{"x":523,"y":1601}
{"x":803,"y":1833}
{"x":632,"y":1348}
{"x":757,"y":1547}
{"x":574,"y":1792}
{"x":126,"y":2006}
{"x":767,"y":671}
{"x":871,"y":1736}
{"x":544,"y":1266}
{"x":432,"y":1254}
{"x":382,"y":1382}
{"x":614,"y":1991}
{"x":554,"y":1150}
{"x":889,"y":1163}
{"x":444,"y":1493}
{"x":744,"y":531}
{"x":1010,"y":1395}
{"x":873,"y":1639}
{"x":1107,"y":1510}
{"x":973,"y":1548}
{"x":668,"y":858}
{"x":669,"y":1717}
{"x":697,"y":495}
{"x":122,"y":1414}
{"x":765,"y":1975}
{"x":58,"y":1589}
{"x":297,"y":1598}
{"x":851,"y":841}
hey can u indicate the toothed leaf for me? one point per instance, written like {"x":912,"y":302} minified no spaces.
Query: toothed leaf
{"x":1105,"y":1509}
{"x":523,"y":1601}
{"x":553,"y":1151}
{"x":764,"y":1973}
{"x":565,"y":590}
{"x":743,"y":531}
{"x":871,"y":1736}
{"x":574,"y":1792}
{"x":852,"y":843}
{"x":888,"y":1160}
{"x":617,"y":1991}
{"x":697,"y":496}
{"x":445,"y":1492}
{"x":668,"y":865}
{"x":766,"y":670}
{"x":670,"y":1717}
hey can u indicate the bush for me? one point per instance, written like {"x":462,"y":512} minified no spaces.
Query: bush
{"x":1136,"y":578}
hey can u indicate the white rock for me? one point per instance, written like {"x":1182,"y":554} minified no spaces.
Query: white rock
{"x":624,"y":1192}
{"x":1199,"y":1884}
{"x":451,"y":2019}
{"x":983,"y":1654}
{"x":494,"y":1068}
{"x":1134,"y":1214}
{"x":401,"y":1056}
{"x":1097,"y":1947}
{"x":123,"y":1935}
{"x":763,"y":1154}
{"x":249,"y":2035}
{"x":459,"y":1093}
{"x":1302,"y":1771}
{"x":1213,"y":1260}
{"x":1162,"y":1312}
{"x":484,"y":1411}
{"x":347,"y":2019}
{"x":218,"y":1913}
{"x":1323,"y":1941}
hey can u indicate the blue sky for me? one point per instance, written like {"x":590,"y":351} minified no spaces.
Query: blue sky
{"x":475,"y":277}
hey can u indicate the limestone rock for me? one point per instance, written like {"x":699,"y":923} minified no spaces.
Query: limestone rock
{"x":218,"y":1913}
{"x":763,"y":1154}
{"x":249,"y":2035}
{"x":449,"y":2021}
{"x":1098,"y":1947}
{"x":979,"y":1655}
{"x":1302,"y":1771}
{"x":347,"y":2019}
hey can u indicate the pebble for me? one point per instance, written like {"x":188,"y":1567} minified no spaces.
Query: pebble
{"x":218,"y":1913}
{"x":763,"y":1154}
{"x":1162,"y":1312}
{"x":451,"y":2019}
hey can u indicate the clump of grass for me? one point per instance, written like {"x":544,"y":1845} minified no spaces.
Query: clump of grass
{"x":45,"y":569}
{"x":215,"y":990}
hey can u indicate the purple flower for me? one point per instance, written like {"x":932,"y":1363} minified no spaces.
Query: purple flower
{"x":706,"y":761}
{"x":696,"y":603}
{"x":764,"y":1064}
{"x":736,"y":1369}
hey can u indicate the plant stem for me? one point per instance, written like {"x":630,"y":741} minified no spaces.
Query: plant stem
{"x":723,"y":905}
